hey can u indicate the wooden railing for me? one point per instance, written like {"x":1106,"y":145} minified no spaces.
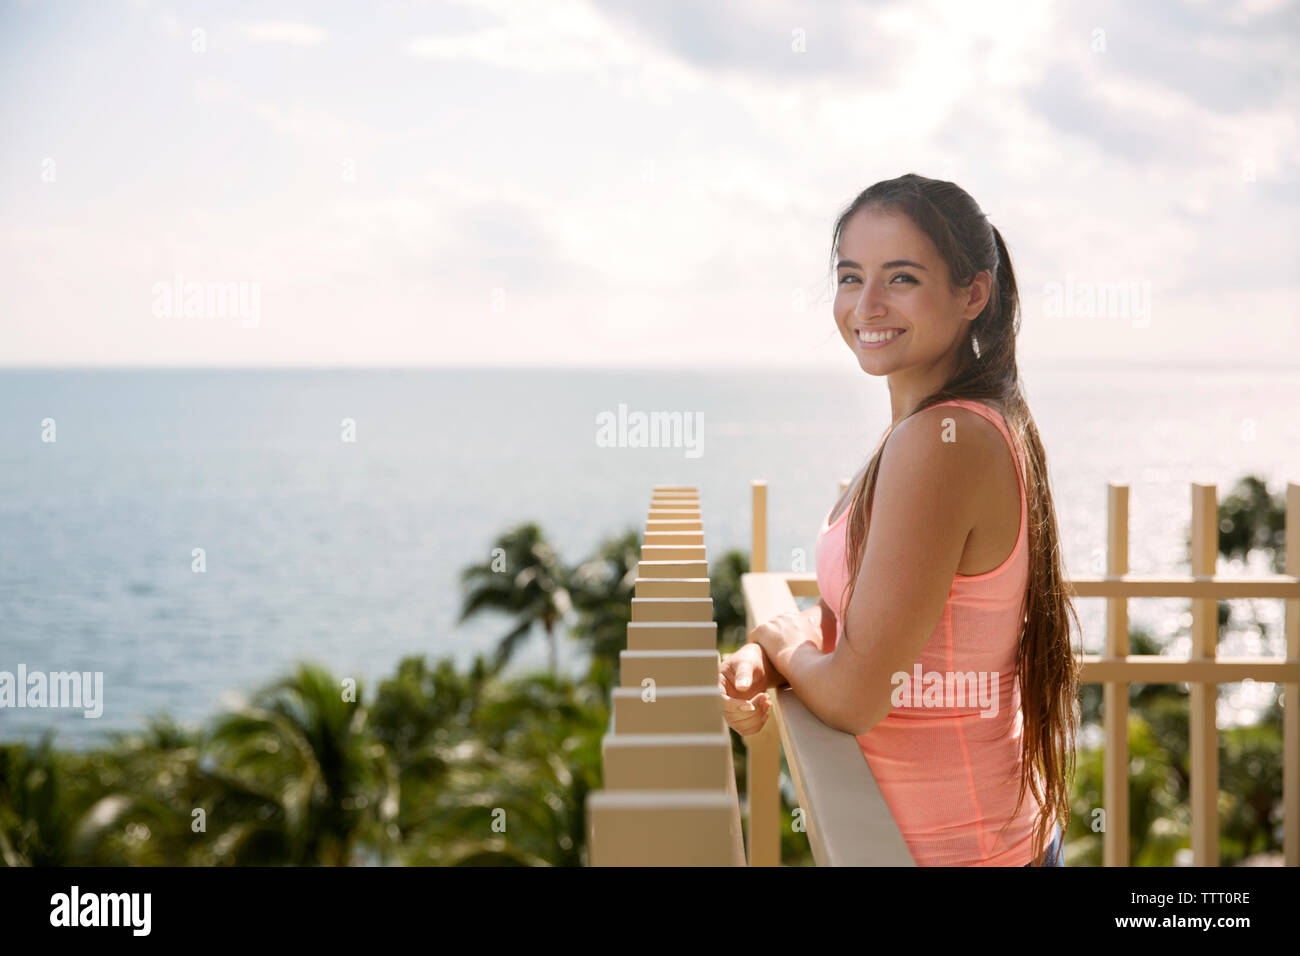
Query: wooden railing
{"x":827,"y":766}
{"x":669,"y":796}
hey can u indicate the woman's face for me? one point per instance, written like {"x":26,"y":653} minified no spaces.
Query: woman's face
{"x":891,"y":281}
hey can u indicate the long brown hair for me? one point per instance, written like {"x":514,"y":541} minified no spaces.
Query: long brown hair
{"x":1047,"y":669}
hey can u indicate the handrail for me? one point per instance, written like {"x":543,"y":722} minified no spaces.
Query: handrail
{"x":769,"y":594}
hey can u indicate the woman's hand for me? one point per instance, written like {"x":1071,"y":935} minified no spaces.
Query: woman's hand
{"x":743,"y":679}
{"x":781,"y":636}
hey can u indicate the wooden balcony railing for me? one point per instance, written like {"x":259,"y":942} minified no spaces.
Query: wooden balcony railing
{"x":846,"y":818}
{"x":669,"y":796}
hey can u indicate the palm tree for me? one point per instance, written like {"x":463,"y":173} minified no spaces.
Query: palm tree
{"x":544,"y":737}
{"x":309,"y":784}
{"x":475,"y":751}
{"x":524,"y":579}
{"x":425,"y":718}
{"x":602,"y":589}
{"x":147,"y":786}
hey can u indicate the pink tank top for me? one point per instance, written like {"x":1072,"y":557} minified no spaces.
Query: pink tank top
{"x":949,"y":774}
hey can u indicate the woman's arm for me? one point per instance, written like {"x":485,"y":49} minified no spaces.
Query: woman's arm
{"x":826,"y":622}
{"x":927,"y":499}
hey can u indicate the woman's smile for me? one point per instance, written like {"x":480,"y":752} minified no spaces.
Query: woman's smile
{"x":878,"y":338}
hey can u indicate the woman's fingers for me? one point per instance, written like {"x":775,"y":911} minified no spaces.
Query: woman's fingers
{"x":746,"y":716}
{"x":738,"y":678}
{"x":739,"y":706}
{"x":743,"y":676}
{"x":752,"y":724}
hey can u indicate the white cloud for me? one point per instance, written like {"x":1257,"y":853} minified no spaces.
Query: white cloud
{"x":284,"y":31}
{"x":557,"y":38}
{"x":647,"y":181}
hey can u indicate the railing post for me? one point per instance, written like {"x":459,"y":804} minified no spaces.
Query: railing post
{"x":1115,"y":848}
{"x":1203,"y":733}
{"x":763,"y":749}
{"x":1291,"y":692}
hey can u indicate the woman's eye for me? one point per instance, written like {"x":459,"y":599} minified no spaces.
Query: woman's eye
{"x":901,"y":275}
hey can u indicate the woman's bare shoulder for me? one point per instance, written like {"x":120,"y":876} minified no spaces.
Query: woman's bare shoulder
{"x":971,"y":443}
{"x":949,"y":424}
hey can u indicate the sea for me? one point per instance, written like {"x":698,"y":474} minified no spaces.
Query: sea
{"x":191,"y":534}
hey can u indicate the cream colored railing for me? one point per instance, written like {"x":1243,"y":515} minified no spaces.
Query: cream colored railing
{"x":827,"y":767}
{"x":669,"y":796}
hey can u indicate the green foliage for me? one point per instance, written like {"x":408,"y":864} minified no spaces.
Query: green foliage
{"x":443,"y":768}
{"x":602,"y":589}
{"x":1252,"y":519}
{"x":525,"y":580}
{"x":728,"y":599}
{"x":33,"y":829}
{"x":1250,"y":787}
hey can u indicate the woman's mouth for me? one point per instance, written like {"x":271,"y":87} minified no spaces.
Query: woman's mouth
{"x":877,"y":338}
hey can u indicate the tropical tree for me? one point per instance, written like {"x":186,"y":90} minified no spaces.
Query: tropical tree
{"x":298,"y":778}
{"x":602,"y":588}
{"x":525,"y":580}
{"x":1252,"y":519}
{"x":425,"y":718}
{"x":545,"y":734}
{"x":145,"y":787}
{"x":494,"y":773}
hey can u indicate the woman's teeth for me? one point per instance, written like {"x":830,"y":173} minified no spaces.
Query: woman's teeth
{"x":878,"y":338}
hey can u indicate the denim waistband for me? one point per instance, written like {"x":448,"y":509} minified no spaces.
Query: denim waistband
{"x":1055,"y":852}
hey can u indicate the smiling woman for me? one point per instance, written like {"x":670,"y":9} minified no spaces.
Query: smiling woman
{"x":950,"y":656}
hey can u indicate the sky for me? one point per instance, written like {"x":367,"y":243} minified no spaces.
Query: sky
{"x":575,"y":183}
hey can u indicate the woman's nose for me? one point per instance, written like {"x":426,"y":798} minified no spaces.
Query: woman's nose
{"x":868,"y":303}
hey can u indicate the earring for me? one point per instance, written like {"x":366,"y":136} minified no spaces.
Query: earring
{"x":975,"y":345}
